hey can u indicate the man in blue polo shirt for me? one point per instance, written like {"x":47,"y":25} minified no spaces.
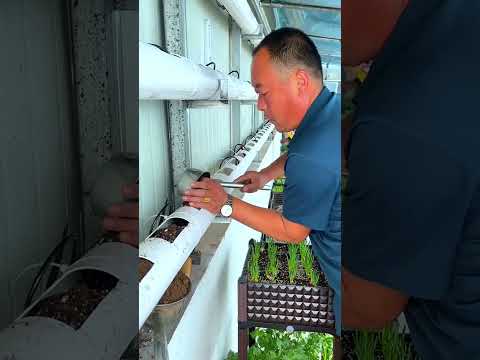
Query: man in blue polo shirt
{"x":287,"y":74}
{"x":411,"y":236}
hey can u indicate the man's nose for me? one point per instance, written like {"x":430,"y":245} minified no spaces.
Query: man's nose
{"x":261,"y":104}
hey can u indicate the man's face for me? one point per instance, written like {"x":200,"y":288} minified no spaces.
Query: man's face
{"x":276,"y":92}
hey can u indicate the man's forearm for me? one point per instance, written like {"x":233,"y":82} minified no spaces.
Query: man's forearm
{"x":275,"y":169}
{"x":267,"y":221}
{"x":368,"y":305}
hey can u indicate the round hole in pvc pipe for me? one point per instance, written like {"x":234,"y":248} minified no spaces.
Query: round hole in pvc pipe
{"x":76,"y":297}
{"x":227,"y":171}
{"x":171,"y":229}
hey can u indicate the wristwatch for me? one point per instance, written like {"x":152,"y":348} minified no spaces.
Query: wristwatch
{"x":227,"y":208}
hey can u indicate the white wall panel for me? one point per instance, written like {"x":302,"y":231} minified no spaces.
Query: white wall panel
{"x":150,"y":21}
{"x":246,"y":124}
{"x":209,"y":137}
{"x":210,"y":127}
{"x":38,"y":188}
{"x":154,"y":163}
{"x":153,"y":134}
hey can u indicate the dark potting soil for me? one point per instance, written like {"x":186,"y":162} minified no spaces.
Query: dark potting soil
{"x":75,"y":305}
{"x":144,"y":267}
{"x":171,"y":232}
{"x":282,"y":276}
{"x":177,"y":290}
{"x":71,"y":307}
{"x":348,"y":348}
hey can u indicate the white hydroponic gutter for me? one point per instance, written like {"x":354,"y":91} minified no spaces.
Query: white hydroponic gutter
{"x":242,"y":159}
{"x":243,"y":16}
{"x":167,"y":258}
{"x":107,"y":331}
{"x":163,"y":76}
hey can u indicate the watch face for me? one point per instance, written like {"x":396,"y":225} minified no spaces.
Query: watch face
{"x":226,"y":210}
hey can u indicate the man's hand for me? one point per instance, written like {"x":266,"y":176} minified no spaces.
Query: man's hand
{"x":253,"y":181}
{"x":123,"y":218}
{"x":206,"y":194}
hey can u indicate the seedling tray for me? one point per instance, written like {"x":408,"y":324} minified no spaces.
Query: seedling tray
{"x":276,"y":202}
{"x":281,"y":305}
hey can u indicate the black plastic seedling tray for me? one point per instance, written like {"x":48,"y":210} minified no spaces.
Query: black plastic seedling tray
{"x":278,"y":305}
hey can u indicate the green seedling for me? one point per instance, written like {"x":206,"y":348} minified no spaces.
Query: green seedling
{"x":253,"y":265}
{"x":257,"y":248}
{"x":272,"y":267}
{"x":292,"y":262}
{"x":254,"y":269}
{"x":393,"y":345}
{"x":365,"y":344}
{"x":314,"y":277}
{"x":306,"y":257}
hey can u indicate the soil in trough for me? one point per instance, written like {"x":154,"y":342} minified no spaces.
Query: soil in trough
{"x":282,"y":276}
{"x":177,"y":290}
{"x":171,"y":232}
{"x":144,"y":267}
{"x":75,"y":305}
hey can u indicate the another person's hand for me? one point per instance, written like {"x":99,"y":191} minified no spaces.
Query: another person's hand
{"x":253,"y":181}
{"x":123,"y":218}
{"x":206,"y":194}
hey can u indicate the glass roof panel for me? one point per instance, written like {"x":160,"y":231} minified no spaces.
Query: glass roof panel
{"x":328,"y":3}
{"x":312,"y":22}
{"x":323,"y":27}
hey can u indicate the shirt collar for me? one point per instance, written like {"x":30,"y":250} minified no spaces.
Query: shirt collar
{"x":312,"y":113}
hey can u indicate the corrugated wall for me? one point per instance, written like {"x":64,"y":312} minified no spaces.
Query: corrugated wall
{"x":209,"y":128}
{"x":38,"y":187}
{"x":153,"y":134}
{"x":247,"y":124}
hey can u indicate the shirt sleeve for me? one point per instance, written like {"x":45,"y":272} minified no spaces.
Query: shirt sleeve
{"x":309,"y":192}
{"x":404,"y":212}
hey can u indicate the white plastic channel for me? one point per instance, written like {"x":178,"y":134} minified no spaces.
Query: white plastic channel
{"x":240,"y":90}
{"x":259,"y":139}
{"x":168,"y":258}
{"x":169,"y":77}
{"x":243,"y":16}
{"x":230,"y":171}
{"x":107,"y":331}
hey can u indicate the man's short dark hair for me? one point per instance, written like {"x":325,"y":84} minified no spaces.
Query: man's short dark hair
{"x":289,"y":46}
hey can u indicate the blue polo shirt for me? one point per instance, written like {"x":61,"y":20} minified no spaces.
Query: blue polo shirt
{"x":412,"y":212}
{"x":312,"y":187}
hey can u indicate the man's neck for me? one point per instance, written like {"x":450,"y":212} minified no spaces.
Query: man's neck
{"x":314,"y":94}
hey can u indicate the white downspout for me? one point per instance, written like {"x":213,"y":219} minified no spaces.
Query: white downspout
{"x":243,"y":16}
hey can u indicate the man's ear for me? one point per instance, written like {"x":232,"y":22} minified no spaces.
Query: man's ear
{"x":302,"y":81}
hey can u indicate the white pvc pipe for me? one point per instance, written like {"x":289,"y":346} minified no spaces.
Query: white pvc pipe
{"x":104,"y":334}
{"x":240,"y":90}
{"x":168,"y":258}
{"x":243,"y":16}
{"x":168,"y":77}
